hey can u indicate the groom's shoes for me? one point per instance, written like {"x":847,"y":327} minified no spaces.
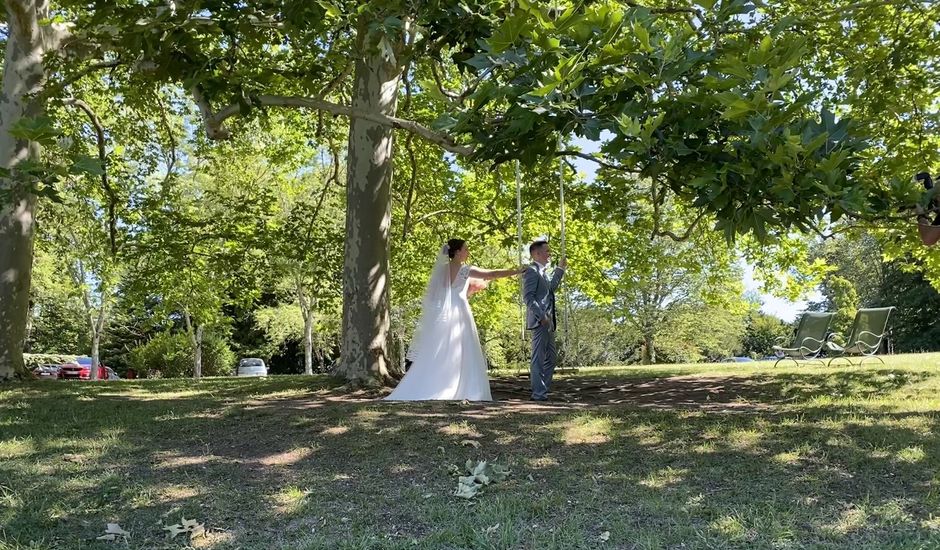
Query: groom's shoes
{"x":533,"y":398}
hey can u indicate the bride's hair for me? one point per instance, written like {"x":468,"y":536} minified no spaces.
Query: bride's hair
{"x":454,"y":246}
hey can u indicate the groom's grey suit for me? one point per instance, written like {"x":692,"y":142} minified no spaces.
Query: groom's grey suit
{"x":538,"y":290}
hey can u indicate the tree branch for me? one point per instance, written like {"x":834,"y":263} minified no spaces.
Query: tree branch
{"x":255,"y":22}
{"x":592,"y":158}
{"x":103,"y":158}
{"x":94,"y":67}
{"x":333,"y":177}
{"x":169,"y":156}
{"x":440,"y":85}
{"x":215,"y":128}
{"x":684,"y":236}
{"x":668,"y":9}
{"x":331,"y":85}
{"x":429,"y":215}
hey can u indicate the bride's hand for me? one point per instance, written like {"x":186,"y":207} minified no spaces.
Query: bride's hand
{"x":476,"y":285}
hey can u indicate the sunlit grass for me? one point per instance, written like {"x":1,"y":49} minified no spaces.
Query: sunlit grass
{"x":290,"y":500}
{"x":841,"y":457}
{"x":585,"y":429}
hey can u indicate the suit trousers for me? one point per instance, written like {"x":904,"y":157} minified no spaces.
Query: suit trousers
{"x":544,"y":357}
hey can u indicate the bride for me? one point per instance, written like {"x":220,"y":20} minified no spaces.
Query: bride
{"x":447,"y":358}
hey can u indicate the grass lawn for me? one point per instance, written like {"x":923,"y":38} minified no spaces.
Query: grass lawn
{"x":705,"y":456}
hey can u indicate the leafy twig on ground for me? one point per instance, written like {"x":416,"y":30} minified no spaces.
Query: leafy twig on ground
{"x":480,"y":475}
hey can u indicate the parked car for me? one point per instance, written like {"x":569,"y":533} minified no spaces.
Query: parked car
{"x":251,"y":366}
{"x":80,"y":369}
{"x":46,"y":372}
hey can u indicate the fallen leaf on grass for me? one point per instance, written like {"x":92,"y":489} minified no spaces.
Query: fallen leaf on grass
{"x":466,"y":491}
{"x":113,"y":531}
{"x":604,"y":537}
{"x":191,"y":526}
{"x":491,"y":530}
{"x":470,"y":443}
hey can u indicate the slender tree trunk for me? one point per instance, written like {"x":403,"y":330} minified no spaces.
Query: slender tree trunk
{"x":368,"y":216}
{"x":197,"y":352}
{"x":95,"y":344}
{"x":306,"y":309}
{"x":195,"y":337}
{"x":308,"y":341}
{"x":97,"y":330}
{"x":95,"y":340}
{"x":29,"y":328}
{"x":23,"y":75}
{"x":95,"y":321}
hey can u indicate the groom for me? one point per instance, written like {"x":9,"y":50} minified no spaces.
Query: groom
{"x":538,"y":290}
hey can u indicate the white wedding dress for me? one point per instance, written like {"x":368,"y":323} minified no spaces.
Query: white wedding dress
{"x":447,"y":358}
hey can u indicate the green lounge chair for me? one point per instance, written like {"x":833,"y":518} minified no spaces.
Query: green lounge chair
{"x":868,"y":333}
{"x":808,"y":340}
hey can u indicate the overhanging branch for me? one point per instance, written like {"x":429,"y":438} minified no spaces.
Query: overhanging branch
{"x":215,"y":128}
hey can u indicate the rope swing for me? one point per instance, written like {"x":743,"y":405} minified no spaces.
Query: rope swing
{"x":563,"y":252}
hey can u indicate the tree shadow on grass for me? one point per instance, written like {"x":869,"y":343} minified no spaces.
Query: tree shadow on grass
{"x":728,"y":393}
{"x":653,"y":465}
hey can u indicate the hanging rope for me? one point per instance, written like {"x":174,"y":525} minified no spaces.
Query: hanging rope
{"x":522,"y":335}
{"x":564,"y":242}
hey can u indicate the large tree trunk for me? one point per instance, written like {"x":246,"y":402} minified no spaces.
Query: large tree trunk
{"x":649,"y":349}
{"x":23,"y":75}
{"x":368,"y":215}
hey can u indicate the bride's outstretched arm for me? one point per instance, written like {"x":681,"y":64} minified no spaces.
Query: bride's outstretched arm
{"x":490,"y":274}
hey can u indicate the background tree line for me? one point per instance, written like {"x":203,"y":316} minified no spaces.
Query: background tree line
{"x":186,"y":158}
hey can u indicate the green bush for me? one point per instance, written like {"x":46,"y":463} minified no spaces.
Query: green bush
{"x":170,"y":355}
{"x":33,"y":360}
{"x":761,"y":334}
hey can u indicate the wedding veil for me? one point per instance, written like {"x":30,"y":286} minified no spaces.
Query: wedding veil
{"x":436,"y":304}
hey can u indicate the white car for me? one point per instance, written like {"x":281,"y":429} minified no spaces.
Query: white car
{"x":251,"y":366}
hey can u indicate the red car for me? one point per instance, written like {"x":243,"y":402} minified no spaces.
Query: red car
{"x":80,"y":369}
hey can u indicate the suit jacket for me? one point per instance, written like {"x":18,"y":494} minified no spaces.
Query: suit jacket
{"x":538,"y":291}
